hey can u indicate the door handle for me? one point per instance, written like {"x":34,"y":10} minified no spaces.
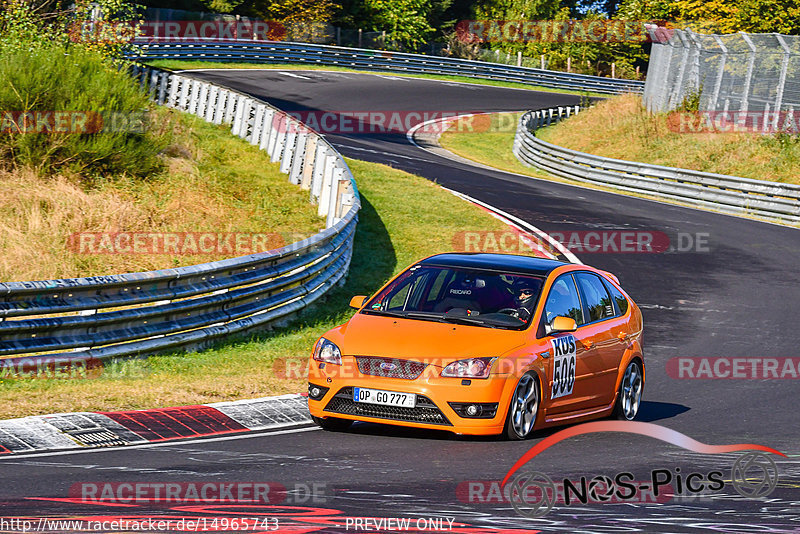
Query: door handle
{"x":623,"y":336}
{"x":588,"y":344}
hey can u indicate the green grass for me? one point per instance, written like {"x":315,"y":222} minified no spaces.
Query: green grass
{"x":491,"y":148}
{"x":403,"y":219}
{"x":174,"y":64}
{"x":80,"y":85}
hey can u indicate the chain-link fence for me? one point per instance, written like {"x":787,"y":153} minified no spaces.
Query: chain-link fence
{"x":748,"y":73}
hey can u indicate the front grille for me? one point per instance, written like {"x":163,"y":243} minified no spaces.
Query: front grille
{"x":390,"y":367}
{"x":424,"y":412}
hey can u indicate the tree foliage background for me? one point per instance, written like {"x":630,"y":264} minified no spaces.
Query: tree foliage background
{"x":409,"y":24}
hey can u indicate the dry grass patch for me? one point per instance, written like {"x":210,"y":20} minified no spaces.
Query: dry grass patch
{"x":212,"y":182}
{"x":621,"y":128}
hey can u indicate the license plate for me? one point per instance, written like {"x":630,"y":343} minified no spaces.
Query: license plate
{"x":384,"y":398}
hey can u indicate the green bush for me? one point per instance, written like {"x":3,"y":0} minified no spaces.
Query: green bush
{"x":71,"y":79}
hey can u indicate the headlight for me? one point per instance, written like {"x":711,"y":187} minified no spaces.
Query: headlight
{"x":469,"y":368}
{"x":327,"y":351}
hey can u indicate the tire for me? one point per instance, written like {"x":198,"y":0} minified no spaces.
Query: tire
{"x":334,"y":424}
{"x":523,"y":408}
{"x":629,"y":396}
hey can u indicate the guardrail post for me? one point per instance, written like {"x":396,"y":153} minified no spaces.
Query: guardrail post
{"x":279,"y":139}
{"x":298,"y":158}
{"x":211,"y":103}
{"x":219,"y":110}
{"x":258,"y":124}
{"x":240,"y":116}
{"x":289,"y":147}
{"x":335,"y":194}
{"x":183,"y":101}
{"x":202,"y":100}
{"x":175,"y":83}
{"x":318,"y":173}
{"x":153,"y":77}
{"x":230,"y":108}
{"x":163,"y":81}
{"x":194,"y":99}
{"x":327,"y":185}
{"x":267,"y":128}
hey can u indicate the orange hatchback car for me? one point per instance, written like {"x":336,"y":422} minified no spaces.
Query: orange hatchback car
{"x":483,"y":344}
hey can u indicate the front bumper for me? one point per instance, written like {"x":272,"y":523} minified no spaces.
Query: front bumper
{"x":434,"y":395}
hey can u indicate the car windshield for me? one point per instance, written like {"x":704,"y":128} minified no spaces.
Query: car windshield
{"x":490,"y":299}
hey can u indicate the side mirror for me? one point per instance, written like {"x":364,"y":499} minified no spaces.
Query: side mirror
{"x":561,"y":324}
{"x":358,"y":301}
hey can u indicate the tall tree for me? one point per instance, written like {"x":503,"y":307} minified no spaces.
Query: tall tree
{"x":405,"y":21}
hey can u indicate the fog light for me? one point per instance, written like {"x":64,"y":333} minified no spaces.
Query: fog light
{"x":316,"y":392}
{"x":473,"y":410}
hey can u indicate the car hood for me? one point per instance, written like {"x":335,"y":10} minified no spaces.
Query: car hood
{"x":427,"y":341}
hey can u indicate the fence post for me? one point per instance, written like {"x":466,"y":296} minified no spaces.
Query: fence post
{"x":720,"y":73}
{"x":782,"y":80}
{"x":749,"y":76}
{"x":677,"y":89}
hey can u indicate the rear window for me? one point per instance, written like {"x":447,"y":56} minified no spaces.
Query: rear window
{"x":619,"y":299}
{"x":595,"y":297}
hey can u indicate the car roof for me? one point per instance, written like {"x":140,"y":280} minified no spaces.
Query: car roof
{"x":495,"y":262}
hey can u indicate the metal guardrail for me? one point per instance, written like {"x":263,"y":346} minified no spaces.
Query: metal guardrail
{"x":770,"y":200}
{"x":144,"y":313}
{"x":377,"y":60}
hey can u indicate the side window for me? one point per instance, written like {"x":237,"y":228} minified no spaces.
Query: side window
{"x":595,"y":297}
{"x":563,"y":300}
{"x":398,"y":300}
{"x":442,"y":280}
{"x":619,"y":298}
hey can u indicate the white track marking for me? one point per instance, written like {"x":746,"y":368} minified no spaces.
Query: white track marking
{"x":293,"y":75}
{"x":178,"y":442}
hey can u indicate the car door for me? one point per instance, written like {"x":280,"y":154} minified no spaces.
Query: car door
{"x":573,"y":357}
{"x":603,"y":325}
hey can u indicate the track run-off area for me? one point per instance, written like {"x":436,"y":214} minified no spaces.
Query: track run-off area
{"x":737,"y":296}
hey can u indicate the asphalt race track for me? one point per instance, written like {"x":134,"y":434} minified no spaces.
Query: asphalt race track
{"x":736,"y":298}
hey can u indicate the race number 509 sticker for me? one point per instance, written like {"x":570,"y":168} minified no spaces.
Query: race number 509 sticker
{"x":563,"y":366}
